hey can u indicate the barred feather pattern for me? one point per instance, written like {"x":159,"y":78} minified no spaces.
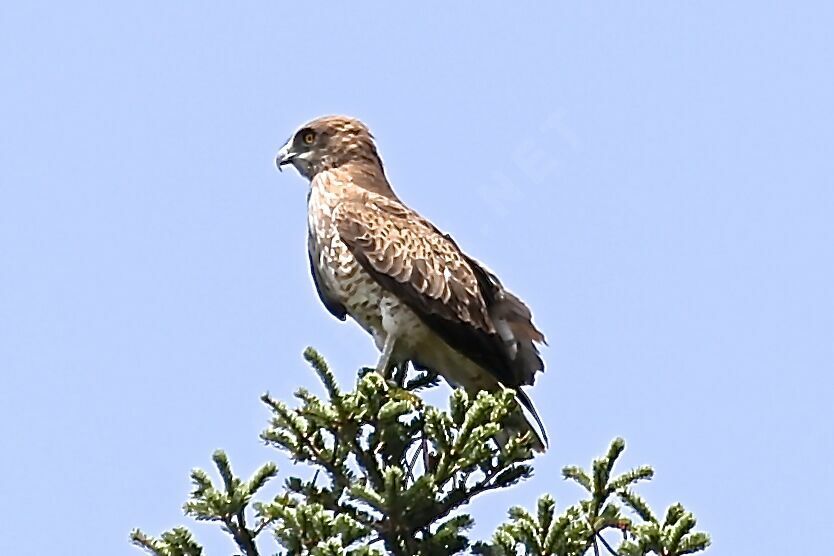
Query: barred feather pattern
{"x":374,"y":259}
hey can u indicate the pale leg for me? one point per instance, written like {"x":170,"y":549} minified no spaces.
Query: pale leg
{"x":384,"y":365}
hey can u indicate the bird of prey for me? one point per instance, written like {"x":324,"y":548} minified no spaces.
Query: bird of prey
{"x":401,"y":279}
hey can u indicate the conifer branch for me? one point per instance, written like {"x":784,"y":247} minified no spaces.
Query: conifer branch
{"x":375,"y":497}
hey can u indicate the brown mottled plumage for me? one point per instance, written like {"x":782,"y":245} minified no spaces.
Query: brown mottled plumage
{"x":405,"y":282}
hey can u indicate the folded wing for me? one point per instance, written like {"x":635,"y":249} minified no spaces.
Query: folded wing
{"x":454,"y":295}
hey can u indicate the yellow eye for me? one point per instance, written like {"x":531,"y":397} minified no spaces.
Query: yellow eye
{"x":309,"y":137}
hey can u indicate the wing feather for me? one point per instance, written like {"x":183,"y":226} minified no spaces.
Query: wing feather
{"x":425,"y":269}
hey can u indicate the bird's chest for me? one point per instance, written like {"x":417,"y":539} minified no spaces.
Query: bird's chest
{"x":374,"y":308}
{"x":343,"y":276}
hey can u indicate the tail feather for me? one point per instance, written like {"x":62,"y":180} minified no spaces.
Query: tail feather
{"x":514,"y":326}
{"x":535,"y":425}
{"x":525,"y":420}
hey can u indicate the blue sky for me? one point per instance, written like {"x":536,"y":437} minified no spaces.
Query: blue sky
{"x":655,"y":180}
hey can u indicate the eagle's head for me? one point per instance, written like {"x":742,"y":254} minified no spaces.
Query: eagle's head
{"x":327,"y":143}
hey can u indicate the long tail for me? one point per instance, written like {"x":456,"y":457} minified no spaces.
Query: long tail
{"x":526,"y":419}
{"x":533,"y":421}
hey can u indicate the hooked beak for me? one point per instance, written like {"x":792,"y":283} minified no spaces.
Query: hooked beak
{"x":284,"y":156}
